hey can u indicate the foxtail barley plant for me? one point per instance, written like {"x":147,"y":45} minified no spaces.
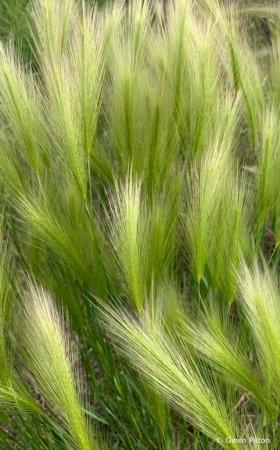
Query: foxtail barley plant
{"x":140,"y":226}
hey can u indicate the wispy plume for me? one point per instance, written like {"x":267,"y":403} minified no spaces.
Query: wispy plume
{"x":48,"y":353}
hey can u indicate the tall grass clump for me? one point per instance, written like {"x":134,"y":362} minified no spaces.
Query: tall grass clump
{"x":140,"y":218}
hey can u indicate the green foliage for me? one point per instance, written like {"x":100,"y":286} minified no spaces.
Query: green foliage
{"x":140,"y":225}
{"x":14,"y":16}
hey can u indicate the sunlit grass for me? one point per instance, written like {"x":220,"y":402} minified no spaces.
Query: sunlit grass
{"x":139,"y":252}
